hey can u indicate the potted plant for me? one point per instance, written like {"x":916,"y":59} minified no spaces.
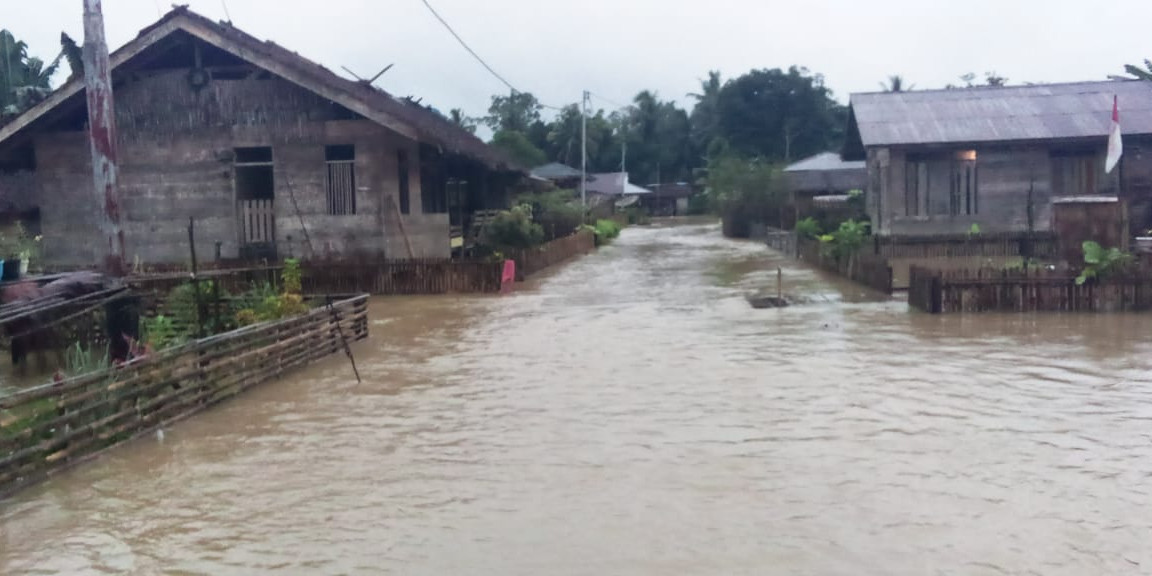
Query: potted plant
{"x":17,"y":249}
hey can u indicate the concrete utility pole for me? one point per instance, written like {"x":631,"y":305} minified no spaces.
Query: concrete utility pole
{"x":584,"y":151}
{"x":102,"y":134}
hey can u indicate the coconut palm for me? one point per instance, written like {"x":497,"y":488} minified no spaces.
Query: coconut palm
{"x":1139,"y":73}
{"x":896,"y":83}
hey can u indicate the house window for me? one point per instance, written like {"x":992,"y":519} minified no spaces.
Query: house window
{"x":402,"y":169}
{"x":964,"y":193}
{"x":1074,"y":173}
{"x":255,"y":195}
{"x":341,"y":184}
{"x":916,"y":188}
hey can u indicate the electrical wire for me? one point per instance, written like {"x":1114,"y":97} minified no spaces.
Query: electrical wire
{"x":609,"y":101}
{"x":492,"y":71}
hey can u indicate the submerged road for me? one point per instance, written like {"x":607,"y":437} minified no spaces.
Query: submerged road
{"x":628,"y":413}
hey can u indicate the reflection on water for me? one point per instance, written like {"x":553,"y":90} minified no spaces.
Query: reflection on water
{"x":630,"y":414}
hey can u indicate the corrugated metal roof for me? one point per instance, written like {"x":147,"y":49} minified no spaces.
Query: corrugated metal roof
{"x":556,"y":171}
{"x":1013,"y":113}
{"x":824,"y":162}
{"x":613,"y":184}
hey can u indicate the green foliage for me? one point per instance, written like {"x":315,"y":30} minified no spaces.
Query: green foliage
{"x":513,"y":113}
{"x":513,"y":229}
{"x":1101,"y":263}
{"x":780,"y":115}
{"x":80,"y":360}
{"x":558,"y":212}
{"x":291,"y":277}
{"x":19,"y":243}
{"x":161,"y":332}
{"x":519,"y":148}
{"x":1139,"y":73}
{"x":846,"y":240}
{"x":606,"y":231}
{"x":808,"y":228}
{"x":637,"y":215}
{"x":745,"y":191}
{"x":974,"y":230}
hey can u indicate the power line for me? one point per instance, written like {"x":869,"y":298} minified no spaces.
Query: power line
{"x":609,"y":101}
{"x":477,"y":56}
{"x":467,"y":47}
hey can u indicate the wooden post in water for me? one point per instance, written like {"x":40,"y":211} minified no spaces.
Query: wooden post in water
{"x":779,"y":284}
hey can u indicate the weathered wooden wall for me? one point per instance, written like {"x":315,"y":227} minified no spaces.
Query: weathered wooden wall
{"x":47,"y":428}
{"x":176,"y":154}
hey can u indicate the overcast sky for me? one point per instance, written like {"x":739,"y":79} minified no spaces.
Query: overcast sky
{"x":616,"y":48}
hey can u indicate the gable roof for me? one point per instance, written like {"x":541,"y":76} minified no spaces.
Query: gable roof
{"x":824,"y":162}
{"x":556,"y":171}
{"x":399,"y":115}
{"x":613,"y":184}
{"x":996,"y":114}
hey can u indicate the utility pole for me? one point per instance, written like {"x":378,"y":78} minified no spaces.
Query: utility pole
{"x":584,"y":151}
{"x":102,"y":134}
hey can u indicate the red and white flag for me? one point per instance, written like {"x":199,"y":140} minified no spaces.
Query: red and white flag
{"x":1115,"y":142}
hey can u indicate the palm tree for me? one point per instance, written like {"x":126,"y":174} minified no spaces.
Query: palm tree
{"x":1139,"y":73}
{"x":26,"y":80}
{"x":895,"y":83}
{"x":460,"y":119}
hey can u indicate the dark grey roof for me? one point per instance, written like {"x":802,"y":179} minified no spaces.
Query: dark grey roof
{"x":556,"y":171}
{"x":1014,"y":113}
{"x":825,"y":161}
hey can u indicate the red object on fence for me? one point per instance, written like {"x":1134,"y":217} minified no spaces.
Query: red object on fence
{"x":509,"y":276}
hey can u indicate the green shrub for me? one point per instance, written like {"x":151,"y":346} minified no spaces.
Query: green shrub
{"x":1101,"y":263}
{"x":808,"y":228}
{"x":606,"y":231}
{"x":161,"y":332}
{"x":513,"y":229}
{"x":846,"y":240}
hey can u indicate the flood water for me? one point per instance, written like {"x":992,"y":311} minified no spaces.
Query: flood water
{"x":629,"y":413}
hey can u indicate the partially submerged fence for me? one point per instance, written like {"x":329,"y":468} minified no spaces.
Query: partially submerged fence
{"x":533,"y":260}
{"x":1039,"y":245}
{"x":864,"y":268}
{"x":1024,"y":290}
{"x":46,"y":428}
{"x":783,"y":241}
{"x":403,"y":277}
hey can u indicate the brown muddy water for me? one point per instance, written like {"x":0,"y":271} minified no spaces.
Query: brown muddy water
{"x":630,"y":414}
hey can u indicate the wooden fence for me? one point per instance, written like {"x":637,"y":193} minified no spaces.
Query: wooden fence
{"x":403,"y":277}
{"x":258,"y":221}
{"x":1041,"y":245}
{"x":1024,"y":290}
{"x":533,"y":260}
{"x":782,"y":241}
{"x":47,"y":428}
{"x":863,"y":267}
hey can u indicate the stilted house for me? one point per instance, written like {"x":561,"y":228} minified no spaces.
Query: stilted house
{"x":254,"y":143}
{"x":939,"y":161}
{"x":668,"y":199}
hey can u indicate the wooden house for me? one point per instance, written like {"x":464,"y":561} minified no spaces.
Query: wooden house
{"x":939,"y":161}
{"x":269,"y":153}
{"x":818,"y":186}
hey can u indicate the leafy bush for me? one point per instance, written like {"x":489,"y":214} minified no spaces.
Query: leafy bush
{"x":513,"y":229}
{"x":846,"y":240}
{"x":606,"y":231}
{"x":808,"y":228}
{"x":161,"y":332}
{"x":558,"y":212}
{"x":80,"y":360}
{"x":1100,"y":263}
{"x":745,"y":191}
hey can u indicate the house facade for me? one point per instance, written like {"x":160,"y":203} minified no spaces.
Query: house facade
{"x":270,"y":155}
{"x":940,"y":161}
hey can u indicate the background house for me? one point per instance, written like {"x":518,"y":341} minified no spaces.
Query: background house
{"x":668,"y":199}
{"x":611,"y":190}
{"x":818,"y":186}
{"x":254,"y":143}
{"x":939,"y":161}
